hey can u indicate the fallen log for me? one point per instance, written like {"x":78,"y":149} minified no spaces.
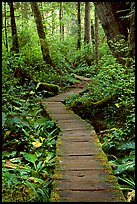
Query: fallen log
{"x":50,"y":89}
{"x":82,"y":78}
{"x":94,"y":105}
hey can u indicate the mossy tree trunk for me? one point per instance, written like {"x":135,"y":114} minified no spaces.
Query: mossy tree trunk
{"x":111,"y":17}
{"x":41,"y":33}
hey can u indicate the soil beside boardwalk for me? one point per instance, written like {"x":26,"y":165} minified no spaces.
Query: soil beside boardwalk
{"x":82,"y":171}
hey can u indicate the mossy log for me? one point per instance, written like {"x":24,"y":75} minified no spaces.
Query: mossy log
{"x":50,"y":88}
{"x":98,"y":105}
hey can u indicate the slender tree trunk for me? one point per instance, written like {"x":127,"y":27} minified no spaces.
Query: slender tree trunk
{"x":5,"y":24}
{"x":60,"y":17}
{"x":15,"y":44}
{"x":73,"y":21}
{"x":87,"y":23}
{"x":53,"y":22}
{"x":79,"y":26}
{"x":60,"y":21}
{"x":41,"y":33}
{"x":25,"y":8}
{"x":92,"y":34}
{"x":96,"y":39}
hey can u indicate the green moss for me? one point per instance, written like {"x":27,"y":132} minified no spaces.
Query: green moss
{"x":54,"y":197}
{"x":52,"y":88}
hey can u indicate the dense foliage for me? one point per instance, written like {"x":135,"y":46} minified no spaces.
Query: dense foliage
{"x":114,"y":120}
{"x":28,"y":143}
{"x":29,"y":135}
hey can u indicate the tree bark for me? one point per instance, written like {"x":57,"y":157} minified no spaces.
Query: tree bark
{"x":92,"y":34}
{"x":110,"y":15}
{"x":96,"y":40}
{"x":5,"y":24}
{"x":74,"y":21}
{"x":110,"y":21}
{"x":15,"y":44}
{"x":60,"y":21}
{"x":87,"y":23}
{"x":79,"y":26}
{"x":132,"y":31}
{"x":41,"y":33}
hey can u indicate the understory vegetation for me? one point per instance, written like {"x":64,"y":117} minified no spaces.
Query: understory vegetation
{"x":28,"y":133}
{"x":108,"y":103}
{"x":28,"y":144}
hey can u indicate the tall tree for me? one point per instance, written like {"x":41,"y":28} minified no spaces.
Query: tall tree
{"x":15,"y":44}
{"x":41,"y":33}
{"x":132,"y":31}
{"x":79,"y":25}
{"x":5,"y":26}
{"x":60,"y":20}
{"x":73,"y":20}
{"x":92,"y":34}
{"x":87,"y":23}
{"x":112,"y":16}
{"x":96,"y":39}
{"x":53,"y":18}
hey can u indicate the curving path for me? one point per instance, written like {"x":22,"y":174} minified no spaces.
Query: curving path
{"x":82,"y":172}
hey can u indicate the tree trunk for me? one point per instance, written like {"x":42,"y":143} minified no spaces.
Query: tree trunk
{"x":114,"y":26}
{"x":5,"y":24}
{"x":87,"y":23}
{"x":15,"y":44}
{"x":96,"y":40}
{"x":74,"y":21}
{"x":79,"y":26}
{"x":25,"y":8}
{"x":60,"y":17}
{"x":92,"y":34}
{"x":41,"y":33}
{"x":53,"y":21}
{"x":60,"y":21}
{"x":132,"y":31}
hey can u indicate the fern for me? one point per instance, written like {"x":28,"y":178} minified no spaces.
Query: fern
{"x":127,"y":145}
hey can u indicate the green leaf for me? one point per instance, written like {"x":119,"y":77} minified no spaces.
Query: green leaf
{"x":15,"y":160}
{"x":127,"y":145}
{"x":7,"y":154}
{"x":30,"y":157}
{"x":39,"y":165}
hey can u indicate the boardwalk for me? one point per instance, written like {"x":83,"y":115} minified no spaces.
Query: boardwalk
{"x":82,"y":171}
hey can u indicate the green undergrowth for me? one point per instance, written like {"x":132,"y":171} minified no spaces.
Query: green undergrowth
{"x":29,"y":135}
{"x":114,"y":120}
{"x":28,"y":144}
